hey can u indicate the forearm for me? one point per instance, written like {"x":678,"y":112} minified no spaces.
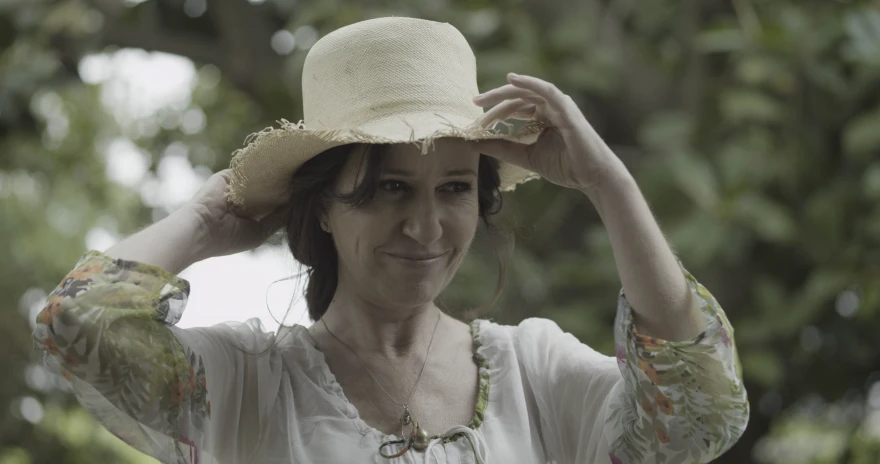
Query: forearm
{"x":649,"y":272}
{"x":173,"y":243}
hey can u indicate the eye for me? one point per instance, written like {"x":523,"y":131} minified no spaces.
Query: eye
{"x":458,"y":187}
{"x":393,"y":186}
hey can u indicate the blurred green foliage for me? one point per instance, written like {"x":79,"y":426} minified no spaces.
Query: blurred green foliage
{"x":752,"y":126}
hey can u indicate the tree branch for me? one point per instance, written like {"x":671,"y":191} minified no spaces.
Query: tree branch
{"x":147,"y":34}
{"x":243,"y":52}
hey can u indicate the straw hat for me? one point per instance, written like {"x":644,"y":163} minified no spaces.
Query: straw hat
{"x":385,"y":80}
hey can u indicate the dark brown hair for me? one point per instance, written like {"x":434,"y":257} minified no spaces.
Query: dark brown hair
{"x":312,"y":192}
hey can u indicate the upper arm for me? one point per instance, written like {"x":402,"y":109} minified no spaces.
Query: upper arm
{"x":675,"y":402}
{"x":684,"y":401}
{"x":171,"y":393}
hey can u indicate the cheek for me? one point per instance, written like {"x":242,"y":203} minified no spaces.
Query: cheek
{"x":470,"y":207}
{"x":465,"y":217}
{"x":361,"y":233}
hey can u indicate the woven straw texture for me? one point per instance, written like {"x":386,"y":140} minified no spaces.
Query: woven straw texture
{"x":385,"y":80}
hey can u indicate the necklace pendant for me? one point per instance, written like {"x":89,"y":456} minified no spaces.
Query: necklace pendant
{"x":406,"y":419}
{"x":420,"y":439}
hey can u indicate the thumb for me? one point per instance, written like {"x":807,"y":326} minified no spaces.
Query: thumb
{"x":518,"y":154}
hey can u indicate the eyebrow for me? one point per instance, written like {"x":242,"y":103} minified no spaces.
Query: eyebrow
{"x":449,"y":173}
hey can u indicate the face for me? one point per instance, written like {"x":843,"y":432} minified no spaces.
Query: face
{"x":403,"y":248}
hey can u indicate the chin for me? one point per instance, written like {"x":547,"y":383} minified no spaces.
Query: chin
{"x":413,"y":293}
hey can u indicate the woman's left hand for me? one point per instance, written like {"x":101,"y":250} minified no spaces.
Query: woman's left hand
{"x":568,"y":151}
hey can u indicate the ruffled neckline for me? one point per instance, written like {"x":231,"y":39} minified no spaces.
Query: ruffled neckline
{"x":328,"y":382}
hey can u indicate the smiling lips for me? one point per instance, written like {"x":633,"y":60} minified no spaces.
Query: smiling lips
{"x":417,"y":259}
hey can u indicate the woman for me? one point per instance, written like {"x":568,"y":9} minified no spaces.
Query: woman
{"x":382,"y":225}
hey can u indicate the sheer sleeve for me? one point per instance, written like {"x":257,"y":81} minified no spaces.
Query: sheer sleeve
{"x":655,"y":401}
{"x":178,"y":395}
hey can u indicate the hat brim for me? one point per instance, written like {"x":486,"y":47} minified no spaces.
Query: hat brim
{"x":261,"y":171}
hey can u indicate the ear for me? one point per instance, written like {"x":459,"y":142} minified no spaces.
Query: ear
{"x":323,"y":220}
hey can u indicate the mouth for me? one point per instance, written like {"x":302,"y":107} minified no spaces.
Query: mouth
{"x":418,"y":260}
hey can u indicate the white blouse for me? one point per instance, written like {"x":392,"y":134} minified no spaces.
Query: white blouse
{"x":190,"y":396}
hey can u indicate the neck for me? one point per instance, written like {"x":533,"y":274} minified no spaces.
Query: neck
{"x":393,"y":333}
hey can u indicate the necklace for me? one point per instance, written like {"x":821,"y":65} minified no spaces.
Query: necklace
{"x":418,"y":437}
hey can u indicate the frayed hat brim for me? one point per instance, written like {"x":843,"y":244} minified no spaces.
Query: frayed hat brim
{"x":263,"y":168}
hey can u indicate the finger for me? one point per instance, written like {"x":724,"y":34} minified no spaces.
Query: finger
{"x":510,"y":109}
{"x":524,"y":114}
{"x":508,"y":151}
{"x":507,"y":92}
{"x":537,"y":86}
{"x":226,"y":174}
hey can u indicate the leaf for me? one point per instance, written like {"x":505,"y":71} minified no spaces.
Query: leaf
{"x":763,"y":367}
{"x":741,"y":105}
{"x":667,"y":132}
{"x":699,"y":238}
{"x":770,"y":220}
{"x":871,"y":182}
{"x":821,"y":287}
{"x":770,"y":295}
{"x":720,"y":40}
{"x":863,"y":29}
{"x":497,"y":63}
{"x":862,"y":135}
{"x":696,"y":178}
{"x":753,"y":70}
{"x":825,"y":220}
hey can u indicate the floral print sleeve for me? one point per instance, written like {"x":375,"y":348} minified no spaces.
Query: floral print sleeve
{"x":108,"y":328}
{"x":656,"y":401}
{"x":681,"y":402}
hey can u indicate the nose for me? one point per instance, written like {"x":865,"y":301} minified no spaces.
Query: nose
{"x":422,"y":222}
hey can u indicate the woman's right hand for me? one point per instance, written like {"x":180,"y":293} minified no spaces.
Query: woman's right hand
{"x":226,"y":232}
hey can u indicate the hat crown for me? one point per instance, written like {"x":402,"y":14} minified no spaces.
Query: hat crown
{"x":388,"y":67}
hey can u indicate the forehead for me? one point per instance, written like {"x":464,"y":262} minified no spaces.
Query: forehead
{"x":446,"y":153}
{"x":406,"y":159}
